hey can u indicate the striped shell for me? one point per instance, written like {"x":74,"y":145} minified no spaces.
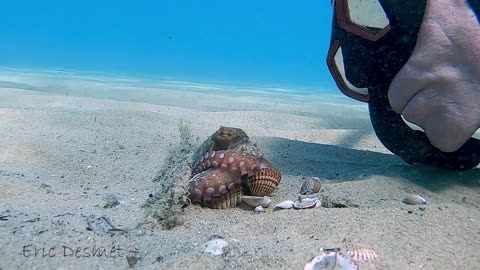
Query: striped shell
{"x":362,"y":253}
{"x":310,"y":186}
{"x":264,"y":182}
{"x":229,"y":200}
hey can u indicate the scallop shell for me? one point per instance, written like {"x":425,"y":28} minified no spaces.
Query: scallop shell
{"x":264,"y":181}
{"x":307,"y":203}
{"x":362,"y":252}
{"x":255,"y":201}
{"x":331,"y":261}
{"x":413,"y":199}
{"x":284,"y":205}
{"x":310,"y":186}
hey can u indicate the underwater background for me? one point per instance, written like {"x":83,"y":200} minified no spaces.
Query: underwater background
{"x":108,"y":108}
{"x":273,"y":43}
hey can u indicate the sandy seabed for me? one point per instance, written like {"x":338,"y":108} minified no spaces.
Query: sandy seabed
{"x":80,"y":151}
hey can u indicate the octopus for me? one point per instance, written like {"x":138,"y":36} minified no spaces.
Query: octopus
{"x":229,"y":168}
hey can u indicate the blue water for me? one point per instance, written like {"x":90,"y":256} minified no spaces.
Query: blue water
{"x":277,"y":43}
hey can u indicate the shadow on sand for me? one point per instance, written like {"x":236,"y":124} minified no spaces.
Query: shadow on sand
{"x":297,"y":158}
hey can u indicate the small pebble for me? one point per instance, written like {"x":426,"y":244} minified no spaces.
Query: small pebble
{"x":132,"y":260}
{"x":112,"y":201}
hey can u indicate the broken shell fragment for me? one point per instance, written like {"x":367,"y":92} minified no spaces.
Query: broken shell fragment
{"x":330,"y":260}
{"x":413,"y":199}
{"x":255,"y":201}
{"x":311,"y":186}
{"x":307,"y":203}
{"x":284,"y":205}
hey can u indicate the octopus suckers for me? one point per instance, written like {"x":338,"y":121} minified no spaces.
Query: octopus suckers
{"x":214,"y":163}
{"x":198,"y":191}
{"x":231,"y":160}
{"x":222,"y":155}
{"x":212,"y":154}
{"x":210,"y":190}
{"x":224,"y":166}
{"x":222,"y":189}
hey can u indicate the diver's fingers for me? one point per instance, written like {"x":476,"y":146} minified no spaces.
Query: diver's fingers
{"x":419,"y":71}
{"x":410,"y":80}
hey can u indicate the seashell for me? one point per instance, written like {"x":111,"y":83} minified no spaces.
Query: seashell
{"x":362,"y":252}
{"x":255,"y":201}
{"x":311,"y":186}
{"x":259,"y":209}
{"x":228,"y":200}
{"x":216,"y":247}
{"x":264,"y":181}
{"x":307,"y":203}
{"x":309,"y":196}
{"x":413,"y":199}
{"x":331,"y":261}
{"x":284,"y":205}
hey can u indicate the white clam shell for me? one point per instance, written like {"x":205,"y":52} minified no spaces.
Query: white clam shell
{"x":413,"y":199}
{"x":330,"y":261}
{"x":309,"y":196}
{"x":216,"y":247}
{"x":284,"y":205}
{"x":259,"y":209}
{"x":307,"y":203}
{"x":255,"y":201}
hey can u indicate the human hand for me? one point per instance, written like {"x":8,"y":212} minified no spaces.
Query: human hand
{"x":439,"y":87}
